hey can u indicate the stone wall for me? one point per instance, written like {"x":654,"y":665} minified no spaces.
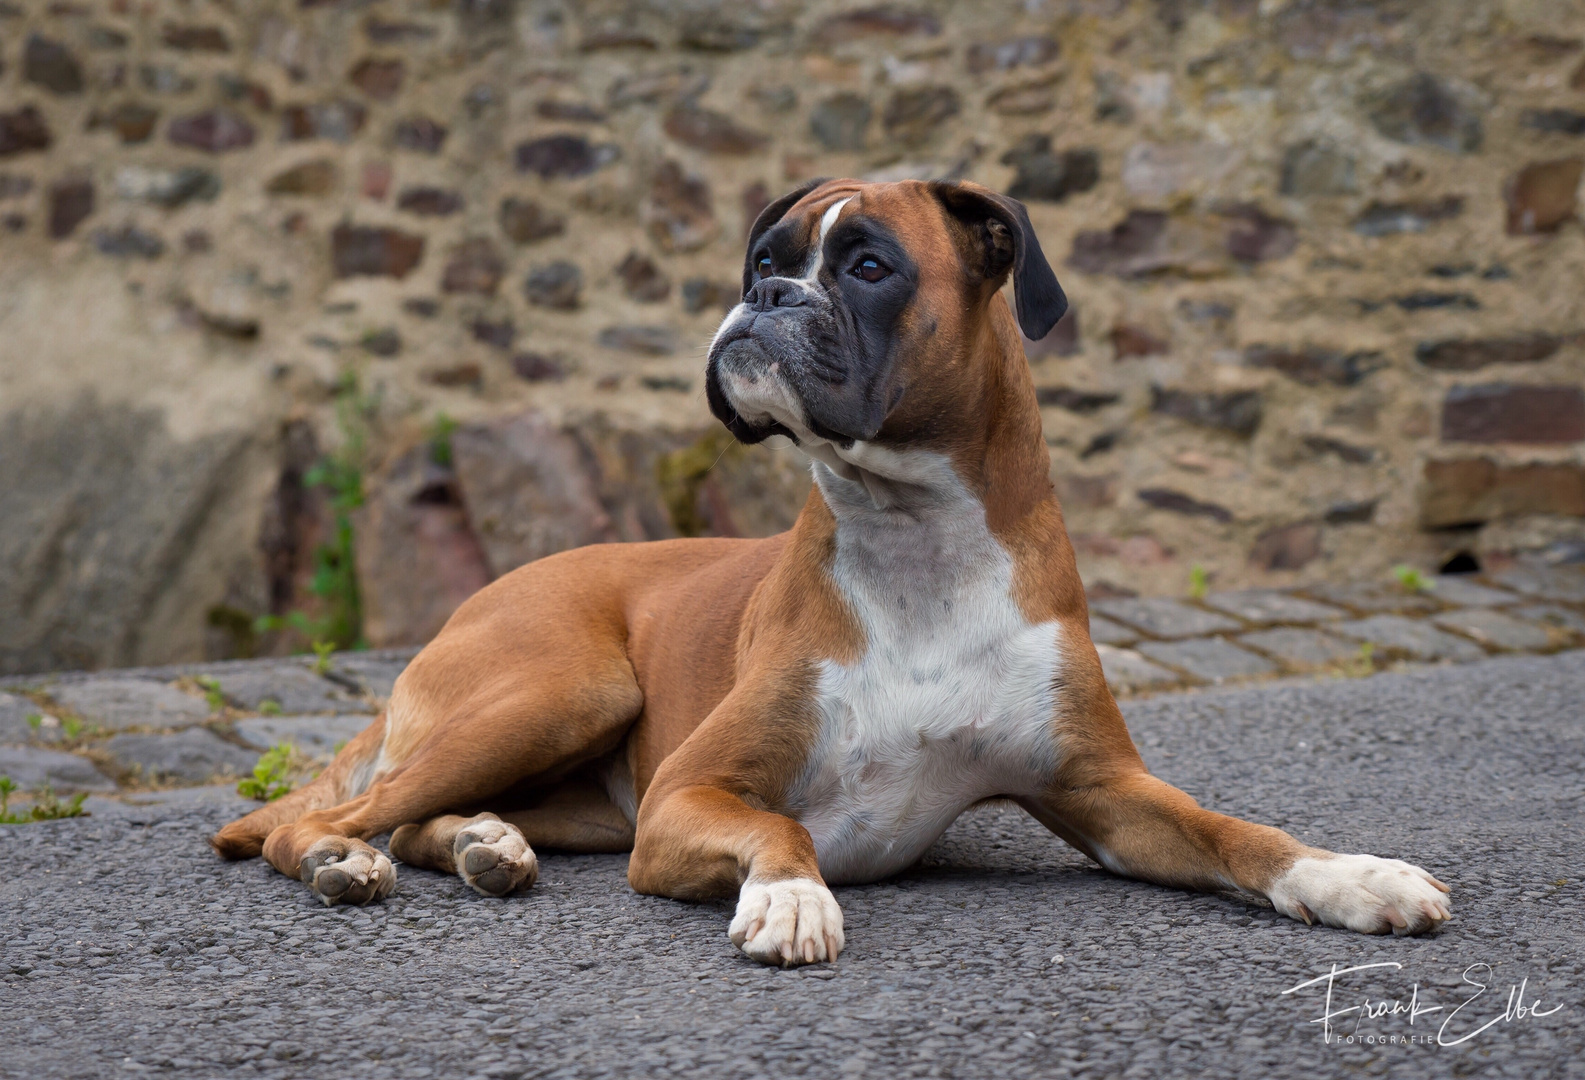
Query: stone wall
{"x":1325,"y":260}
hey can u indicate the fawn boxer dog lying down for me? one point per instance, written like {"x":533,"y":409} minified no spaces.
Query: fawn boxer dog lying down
{"x":767,"y":718}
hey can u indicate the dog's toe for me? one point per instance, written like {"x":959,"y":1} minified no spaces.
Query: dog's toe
{"x":1363,"y":893}
{"x":340,"y":870}
{"x":494,"y":857}
{"x":796,"y":921}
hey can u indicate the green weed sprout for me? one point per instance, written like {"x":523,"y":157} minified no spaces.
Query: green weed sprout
{"x":1412,"y":580}
{"x":270,"y":775}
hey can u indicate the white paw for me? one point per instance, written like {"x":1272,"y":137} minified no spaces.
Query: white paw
{"x":1363,"y":893}
{"x":794,"y":921}
{"x":344,"y":871}
{"x":494,"y":857}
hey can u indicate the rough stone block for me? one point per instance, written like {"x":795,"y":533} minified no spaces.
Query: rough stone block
{"x":1208,"y":659}
{"x":51,"y":65}
{"x":290,"y":685}
{"x":564,"y":156}
{"x":1516,"y":413}
{"x":1104,"y":631}
{"x":1127,"y":671}
{"x":1301,"y":648}
{"x":1473,"y":490}
{"x":316,"y":736}
{"x":1471,"y":354}
{"x":375,"y":672}
{"x":1419,"y":640}
{"x":1543,"y":195}
{"x":1163,"y":617}
{"x":33,"y":768}
{"x":14,"y":726}
{"x":1453,"y":589}
{"x":192,"y":756}
{"x":1561,"y":618}
{"x":1272,"y":606}
{"x":115,"y":703}
{"x":214,"y":130}
{"x":557,"y":285}
{"x":1426,"y":110}
{"x":1545,"y":582}
{"x":1494,"y":628}
{"x":358,"y":250}
{"x":23,"y":130}
{"x":473,"y":266}
{"x":1237,"y":411}
{"x":1374,"y":597}
{"x":841,"y":121}
{"x":1312,"y":365}
{"x":712,"y":132}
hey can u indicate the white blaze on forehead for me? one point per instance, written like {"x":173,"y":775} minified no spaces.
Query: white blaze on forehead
{"x":828,"y":219}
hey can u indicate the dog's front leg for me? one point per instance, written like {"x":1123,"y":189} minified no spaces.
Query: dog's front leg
{"x":1137,"y":825}
{"x":697,"y":841}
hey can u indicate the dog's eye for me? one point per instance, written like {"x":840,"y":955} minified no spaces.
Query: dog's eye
{"x":870,"y":271}
{"x":763,"y":268}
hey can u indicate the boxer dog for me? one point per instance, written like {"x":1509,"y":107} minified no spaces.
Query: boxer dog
{"x":768,"y":718}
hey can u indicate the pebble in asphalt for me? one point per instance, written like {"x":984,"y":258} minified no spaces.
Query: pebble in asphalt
{"x":128,"y":949}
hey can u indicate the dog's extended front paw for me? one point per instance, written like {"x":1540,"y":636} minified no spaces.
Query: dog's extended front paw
{"x":341,"y":870}
{"x":788,"y":922}
{"x":1363,"y":893}
{"x":494,"y":857}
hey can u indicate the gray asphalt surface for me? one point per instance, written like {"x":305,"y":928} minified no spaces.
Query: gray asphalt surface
{"x":129,"y":949}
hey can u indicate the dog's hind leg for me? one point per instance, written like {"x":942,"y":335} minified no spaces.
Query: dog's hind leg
{"x":345,"y":777}
{"x":495,"y":854}
{"x":453,"y":744}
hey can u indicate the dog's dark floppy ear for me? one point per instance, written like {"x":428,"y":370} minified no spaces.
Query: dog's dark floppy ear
{"x":768,"y":217}
{"x":1009,"y":241}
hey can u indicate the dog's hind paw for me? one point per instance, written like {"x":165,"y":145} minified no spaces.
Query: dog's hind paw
{"x":494,"y":857}
{"x":341,"y":870}
{"x":795,"y":921}
{"x":1363,"y":893}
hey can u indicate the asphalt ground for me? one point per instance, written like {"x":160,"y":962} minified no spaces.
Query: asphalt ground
{"x":129,"y":949}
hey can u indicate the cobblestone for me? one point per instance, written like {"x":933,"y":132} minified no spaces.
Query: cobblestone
{"x":1495,"y":628}
{"x":1104,"y":631}
{"x":1211,"y":660}
{"x":1419,"y":640}
{"x":1163,"y":617}
{"x":118,"y":703}
{"x":1272,"y":606}
{"x":1373,"y":598}
{"x":191,"y":756}
{"x":1126,"y":670}
{"x":1462,"y":592}
{"x":1301,"y":648}
{"x":1552,"y":615}
{"x":1545,"y":582}
{"x":316,"y":736}
{"x":33,"y":767}
{"x":292,"y":687}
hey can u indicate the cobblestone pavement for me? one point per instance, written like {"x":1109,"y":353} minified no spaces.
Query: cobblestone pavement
{"x":130,"y":950}
{"x":192,"y":724}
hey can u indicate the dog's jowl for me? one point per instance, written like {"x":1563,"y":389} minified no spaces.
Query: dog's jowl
{"x":765,"y":718}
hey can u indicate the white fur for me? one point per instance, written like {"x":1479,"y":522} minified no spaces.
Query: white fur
{"x":791,"y":921}
{"x":1360,"y":892}
{"x":954,"y":698}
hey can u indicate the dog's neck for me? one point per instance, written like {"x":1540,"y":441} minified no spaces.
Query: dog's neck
{"x":993,"y":455}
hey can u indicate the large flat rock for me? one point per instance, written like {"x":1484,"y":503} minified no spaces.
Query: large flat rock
{"x":192,"y":756}
{"x":316,"y":736}
{"x":116,"y":703}
{"x":289,"y":684}
{"x":33,"y":767}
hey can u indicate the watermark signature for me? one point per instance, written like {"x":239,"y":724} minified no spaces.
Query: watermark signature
{"x":1346,"y":1023}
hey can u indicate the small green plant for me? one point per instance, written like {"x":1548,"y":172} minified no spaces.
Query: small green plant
{"x":323,"y":650}
{"x":35,"y":721}
{"x":1199,"y":583}
{"x":1361,"y":664}
{"x":1411,"y":580}
{"x":339,"y":618}
{"x":72,"y":727}
{"x":440,"y":430}
{"x":270,"y":707}
{"x":270,"y":779}
{"x":213,"y":695}
{"x":45,"y":808}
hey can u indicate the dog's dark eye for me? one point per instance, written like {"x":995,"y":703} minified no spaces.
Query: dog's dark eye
{"x":763,"y":267}
{"x":871,"y":271}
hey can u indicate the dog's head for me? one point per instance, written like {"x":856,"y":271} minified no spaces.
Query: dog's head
{"x":862,"y":304}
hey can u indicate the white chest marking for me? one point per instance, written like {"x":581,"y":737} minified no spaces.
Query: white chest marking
{"x":954,"y":698}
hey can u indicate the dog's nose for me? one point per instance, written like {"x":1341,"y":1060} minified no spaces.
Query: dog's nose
{"x":768,"y":293}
